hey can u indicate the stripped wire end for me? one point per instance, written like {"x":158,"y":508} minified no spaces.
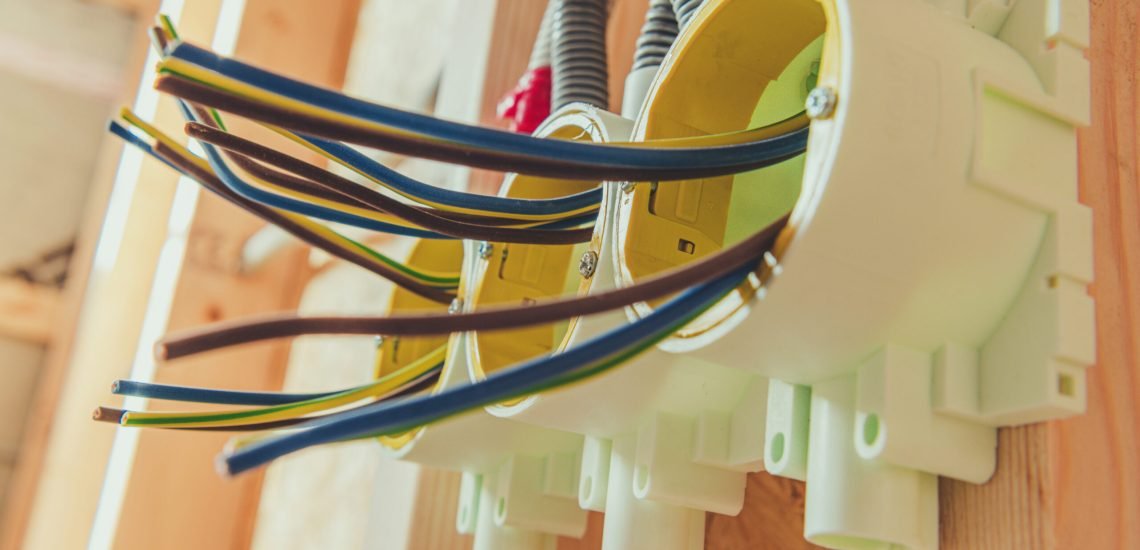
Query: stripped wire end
{"x":108,"y":414}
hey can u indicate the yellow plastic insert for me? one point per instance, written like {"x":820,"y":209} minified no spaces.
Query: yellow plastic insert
{"x":524,"y":273}
{"x":396,"y":352}
{"x":741,"y":65}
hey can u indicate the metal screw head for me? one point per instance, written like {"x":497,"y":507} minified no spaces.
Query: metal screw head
{"x":485,"y":249}
{"x":588,"y":264}
{"x":456,"y":306}
{"x":820,"y":102}
{"x":379,"y":341}
{"x":627,"y":186}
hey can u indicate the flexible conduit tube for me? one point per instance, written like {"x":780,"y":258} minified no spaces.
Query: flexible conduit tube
{"x":540,"y":54}
{"x":579,"y":54}
{"x":657,"y":36}
{"x":528,"y":104}
{"x":685,"y":10}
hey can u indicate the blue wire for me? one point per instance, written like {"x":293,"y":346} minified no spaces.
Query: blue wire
{"x":234,"y":183}
{"x":239,"y":186}
{"x":448,"y":197}
{"x":133,"y":139}
{"x":517,"y":380}
{"x":207,"y":395}
{"x":126,"y":135}
{"x":746,"y":154}
{"x":137,"y":141}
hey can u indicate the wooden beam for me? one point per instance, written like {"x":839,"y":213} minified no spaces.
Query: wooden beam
{"x":1071,"y":483}
{"x":59,"y":470}
{"x":311,"y":41}
{"x":28,"y":312}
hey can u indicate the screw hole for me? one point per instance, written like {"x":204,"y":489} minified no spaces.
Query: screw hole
{"x":463,"y":515}
{"x":1066,"y":385}
{"x":871,"y":429}
{"x":776,"y":447}
{"x":501,"y":510}
{"x":587,"y":488}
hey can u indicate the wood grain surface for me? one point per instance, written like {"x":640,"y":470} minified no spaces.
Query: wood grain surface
{"x":175,"y":499}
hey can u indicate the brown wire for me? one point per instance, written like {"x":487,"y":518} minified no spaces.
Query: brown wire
{"x":748,"y":251}
{"x":379,"y":201}
{"x":314,"y":186}
{"x":412,"y":145}
{"x":303,"y":185}
{"x":212,"y":183}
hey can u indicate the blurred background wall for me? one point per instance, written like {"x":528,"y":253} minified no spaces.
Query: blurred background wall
{"x":62,"y":69}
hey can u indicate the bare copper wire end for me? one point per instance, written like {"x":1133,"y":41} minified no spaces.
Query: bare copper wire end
{"x":108,"y":414}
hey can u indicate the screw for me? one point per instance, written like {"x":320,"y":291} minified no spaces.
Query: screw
{"x":485,"y":249}
{"x":820,"y":103}
{"x":456,"y":306}
{"x":588,"y":264}
{"x":379,"y":341}
{"x":627,"y":186}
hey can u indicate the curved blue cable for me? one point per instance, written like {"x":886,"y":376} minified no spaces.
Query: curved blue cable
{"x":137,"y":141}
{"x":517,"y":380}
{"x":239,"y":186}
{"x":745,"y":154}
{"x":448,"y":197}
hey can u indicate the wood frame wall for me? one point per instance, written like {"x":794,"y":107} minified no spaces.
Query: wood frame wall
{"x":1063,"y":484}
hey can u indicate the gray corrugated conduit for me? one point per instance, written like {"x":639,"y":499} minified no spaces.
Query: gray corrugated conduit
{"x":578,"y":63}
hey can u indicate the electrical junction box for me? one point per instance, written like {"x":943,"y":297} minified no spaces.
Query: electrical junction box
{"x":929,"y":287}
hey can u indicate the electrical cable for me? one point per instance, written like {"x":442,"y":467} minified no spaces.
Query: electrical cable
{"x":340,"y":244}
{"x":588,"y":359}
{"x":210,"y":79}
{"x":314,"y":234}
{"x":233,"y":333}
{"x":271,"y":193}
{"x":190,"y":394}
{"x":585,"y":202}
{"x":554,"y":158}
{"x":582,"y":205}
{"x":378,"y":388}
{"x":113,"y":415}
{"x":378,"y":201}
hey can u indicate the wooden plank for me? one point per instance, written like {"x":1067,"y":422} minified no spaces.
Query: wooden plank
{"x":41,"y":484}
{"x":433,"y":519}
{"x":309,"y":41}
{"x":28,"y":312}
{"x":1071,"y":483}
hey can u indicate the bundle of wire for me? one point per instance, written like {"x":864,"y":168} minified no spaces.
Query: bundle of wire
{"x":201,"y":76}
{"x":288,"y":192}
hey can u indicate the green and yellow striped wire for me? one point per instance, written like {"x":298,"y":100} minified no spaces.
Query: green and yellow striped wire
{"x":239,"y":417}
